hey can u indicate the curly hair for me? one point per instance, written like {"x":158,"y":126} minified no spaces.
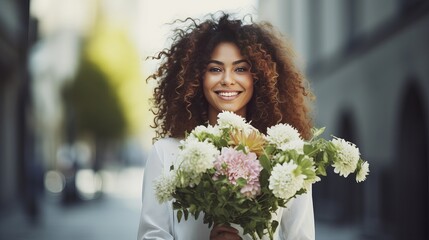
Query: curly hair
{"x":281,"y":92}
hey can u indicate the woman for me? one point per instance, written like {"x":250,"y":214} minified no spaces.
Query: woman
{"x":223,"y":64}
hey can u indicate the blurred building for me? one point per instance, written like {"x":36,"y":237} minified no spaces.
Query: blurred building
{"x":367,"y":62}
{"x":16,"y":136}
{"x":41,"y":47}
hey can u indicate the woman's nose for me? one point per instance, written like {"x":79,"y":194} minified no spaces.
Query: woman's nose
{"x":228,"y":79}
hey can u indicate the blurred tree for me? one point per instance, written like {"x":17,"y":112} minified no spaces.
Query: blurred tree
{"x":105,"y":101}
{"x":95,"y":104}
{"x":110,"y":47}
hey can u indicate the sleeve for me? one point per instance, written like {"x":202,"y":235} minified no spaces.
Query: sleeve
{"x":297,"y":221}
{"x":155,"y":221}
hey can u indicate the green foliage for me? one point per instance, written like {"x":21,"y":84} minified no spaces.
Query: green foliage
{"x":224,"y":204}
{"x":107,"y":94}
{"x":111,"y":48}
{"x":96,"y":106}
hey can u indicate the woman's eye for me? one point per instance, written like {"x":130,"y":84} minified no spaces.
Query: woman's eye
{"x":241,"y":69}
{"x":215,"y":69}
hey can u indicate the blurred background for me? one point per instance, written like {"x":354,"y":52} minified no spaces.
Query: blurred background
{"x":74,"y":110}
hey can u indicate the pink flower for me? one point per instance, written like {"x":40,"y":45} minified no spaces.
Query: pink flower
{"x":236,"y":164}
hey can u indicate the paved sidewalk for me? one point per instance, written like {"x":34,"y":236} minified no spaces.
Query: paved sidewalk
{"x":104,"y":219}
{"x":115,"y":216}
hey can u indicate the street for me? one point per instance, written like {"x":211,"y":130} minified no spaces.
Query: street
{"x":114,"y":216}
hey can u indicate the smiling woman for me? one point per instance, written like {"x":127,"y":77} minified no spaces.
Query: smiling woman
{"x":222,"y":64}
{"x":224,"y":52}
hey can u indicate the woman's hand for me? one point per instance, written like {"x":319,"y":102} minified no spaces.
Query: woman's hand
{"x":222,"y":232}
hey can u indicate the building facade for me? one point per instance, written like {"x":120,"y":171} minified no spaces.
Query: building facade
{"x":367,"y":62}
{"x":21,"y":171}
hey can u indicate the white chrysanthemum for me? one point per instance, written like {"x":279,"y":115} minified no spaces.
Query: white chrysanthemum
{"x":348,"y":156}
{"x":284,"y":182}
{"x":194,"y":159}
{"x":297,"y":145}
{"x":229,"y":119}
{"x":363,"y":172}
{"x":189,"y":140}
{"x":164,"y":187}
{"x":285,"y":137}
{"x":199,"y":130}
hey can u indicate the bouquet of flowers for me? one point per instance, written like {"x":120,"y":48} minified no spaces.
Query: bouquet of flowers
{"x":232,"y":173}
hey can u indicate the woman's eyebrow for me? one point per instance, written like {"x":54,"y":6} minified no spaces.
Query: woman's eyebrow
{"x":240,"y":61}
{"x":216,"y":62}
{"x":233,"y":63}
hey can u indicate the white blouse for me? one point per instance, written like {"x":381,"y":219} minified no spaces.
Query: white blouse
{"x":158,"y":221}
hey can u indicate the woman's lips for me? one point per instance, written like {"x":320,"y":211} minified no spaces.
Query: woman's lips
{"x":228,"y":95}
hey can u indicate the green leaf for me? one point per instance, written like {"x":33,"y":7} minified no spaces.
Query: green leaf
{"x":286,"y":158}
{"x":321,"y":170}
{"x":269,"y":149}
{"x":308,"y":148}
{"x":274,"y":225}
{"x":317,"y":132}
{"x":223,"y":142}
{"x":265,"y":162}
{"x":176,"y":205}
{"x":263,"y":178}
{"x":179,"y":215}
{"x":331,"y":147}
{"x":192,"y":208}
{"x":186,"y":212}
{"x":325,"y":158}
{"x":242,"y":148}
{"x":260,"y":231}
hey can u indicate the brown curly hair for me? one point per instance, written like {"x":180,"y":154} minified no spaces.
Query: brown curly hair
{"x":281,"y":91}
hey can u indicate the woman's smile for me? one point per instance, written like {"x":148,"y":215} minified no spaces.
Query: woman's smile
{"x":228,"y":95}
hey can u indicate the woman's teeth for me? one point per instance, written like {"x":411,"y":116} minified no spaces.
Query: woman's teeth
{"x":228,"y":94}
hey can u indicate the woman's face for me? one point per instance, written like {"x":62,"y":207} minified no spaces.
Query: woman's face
{"x":228,"y":82}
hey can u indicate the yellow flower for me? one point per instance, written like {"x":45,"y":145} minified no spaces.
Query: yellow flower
{"x":253,"y":142}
